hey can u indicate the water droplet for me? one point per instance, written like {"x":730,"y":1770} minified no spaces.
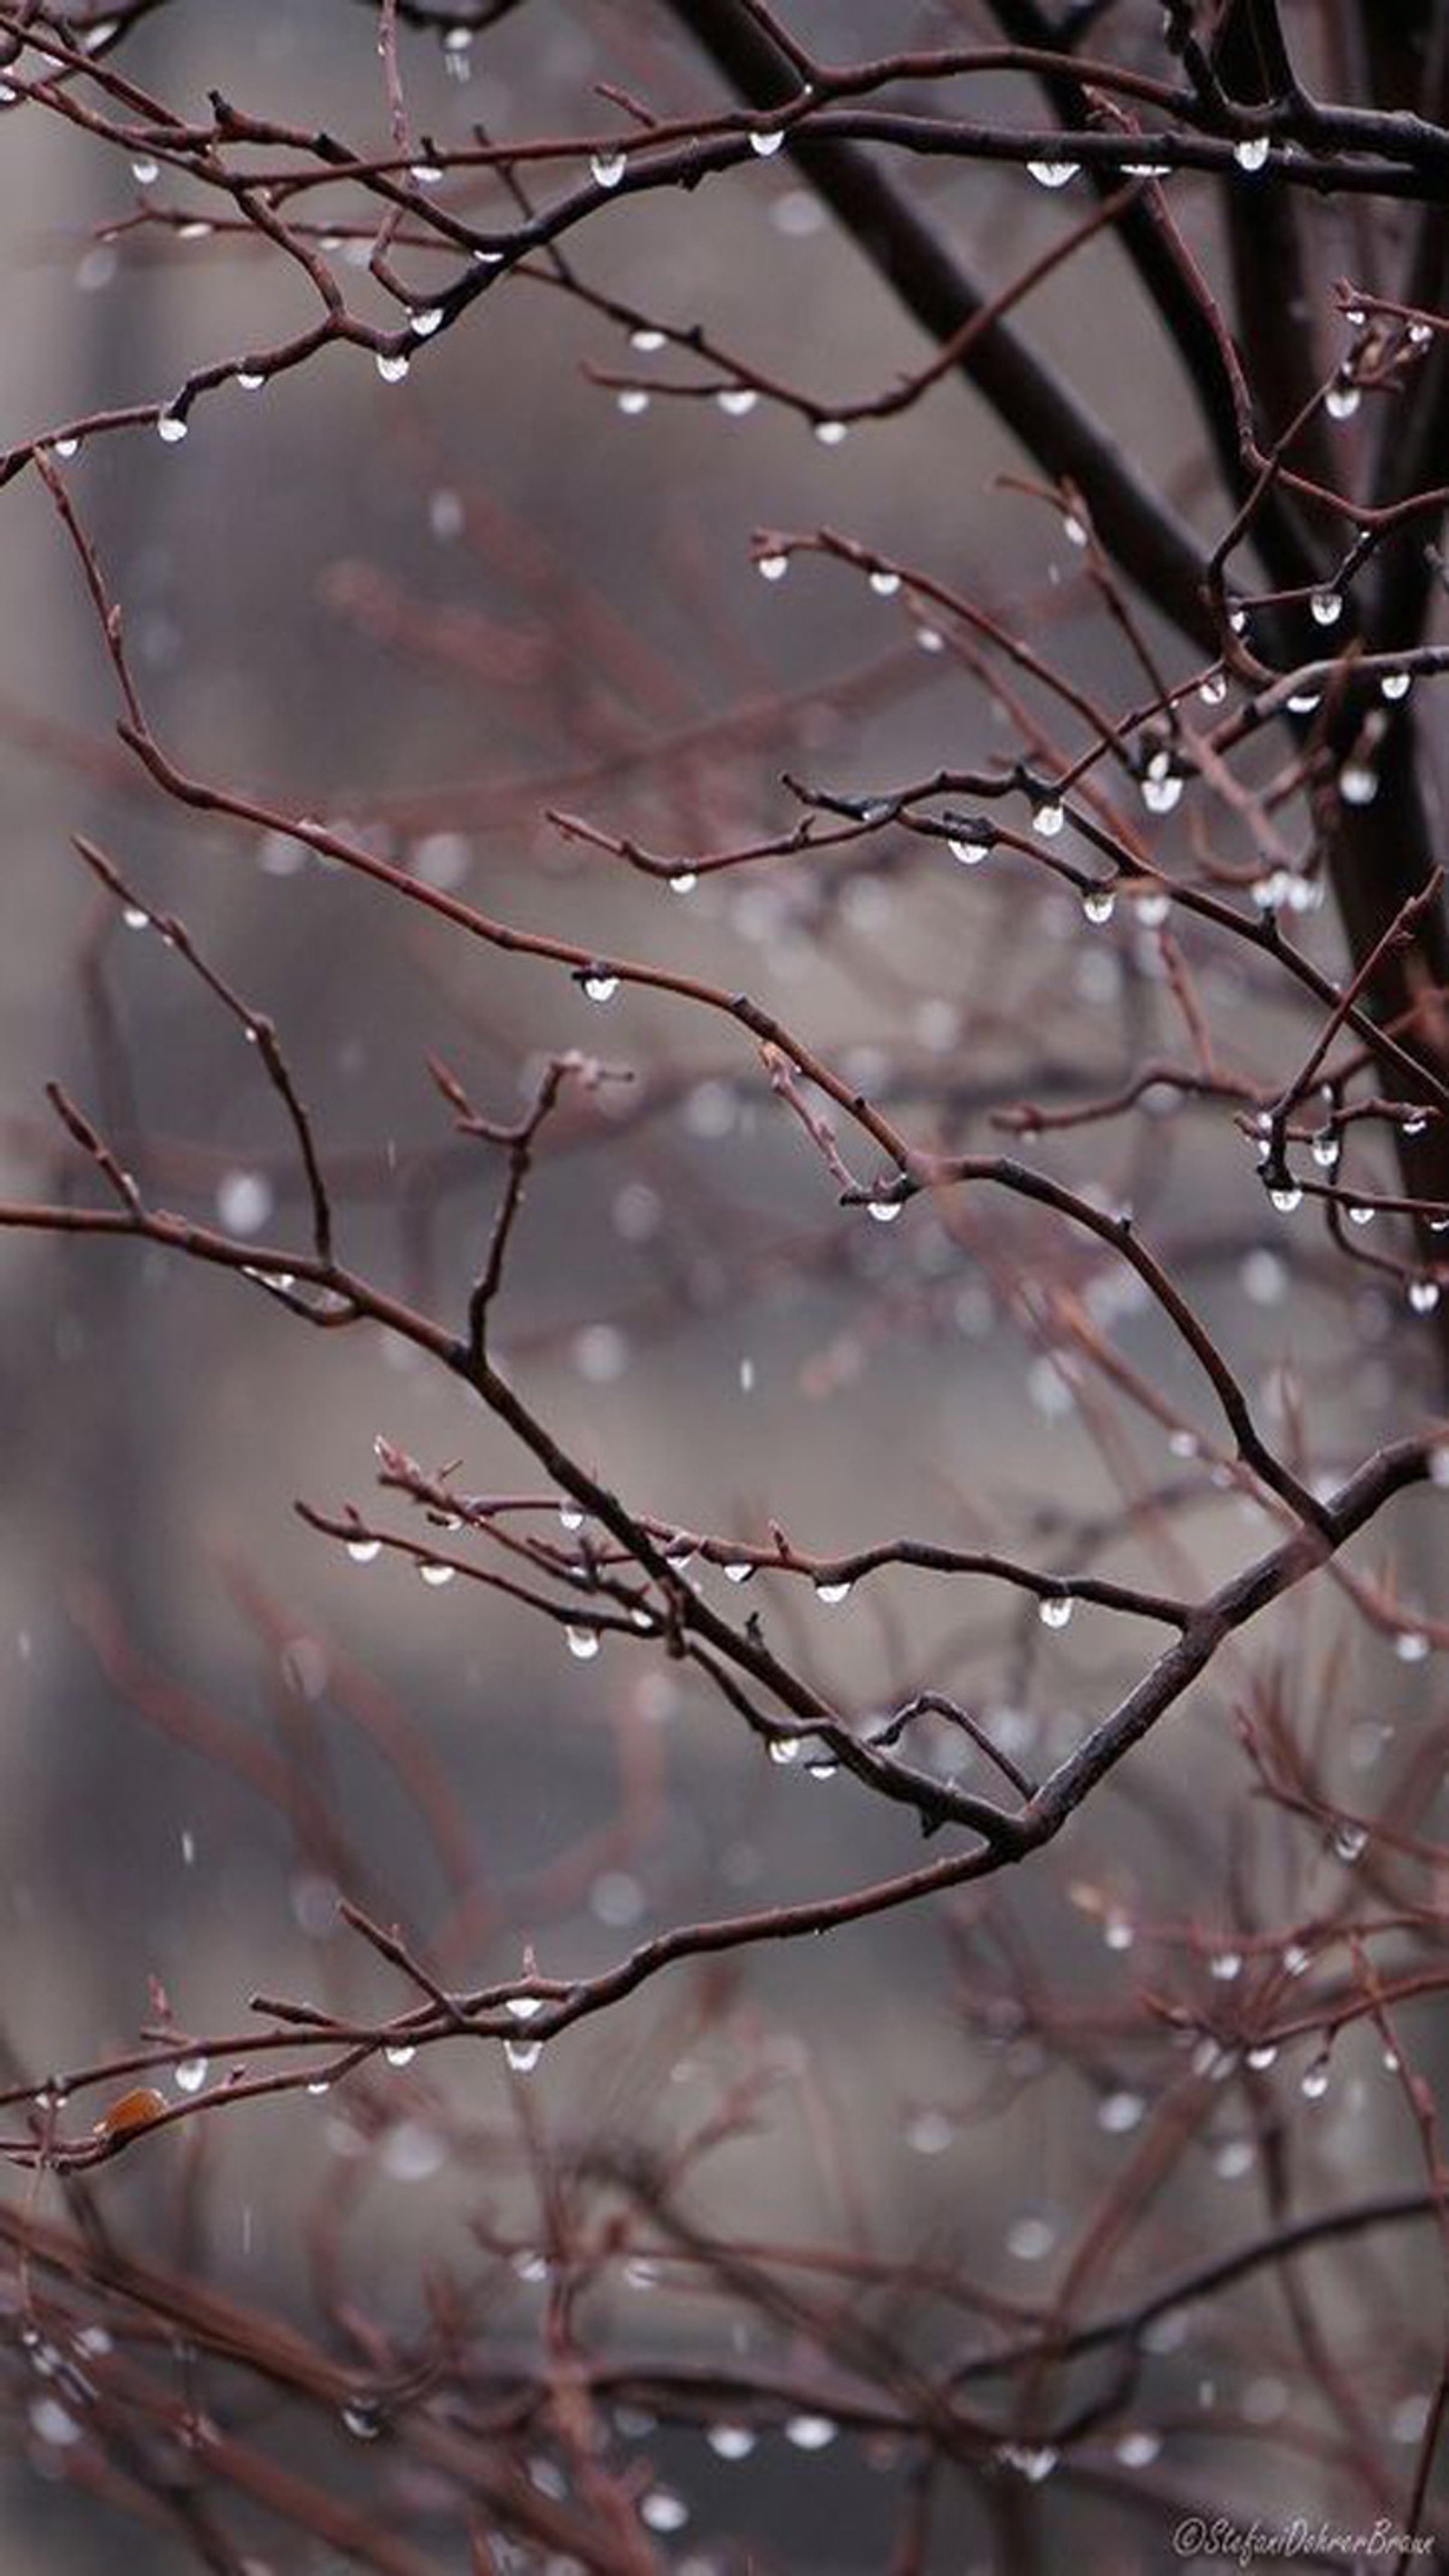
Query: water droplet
{"x":1395,"y":685}
{"x":435,"y":1576}
{"x":1303,"y":701}
{"x":662,"y":2510}
{"x":1031,"y":2239}
{"x":134,"y":918}
{"x":392,"y":367}
{"x":1152,"y":910}
{"x":1252,"y":152}
{"x":766,"y":141}
{"x":1263,"y":2056}
{"x":1420,"y":335}
{"x":608,"y":168}
{"x":883,"y":1211}
{"x":1350,"y":1842}
{"x":362,"y":2422}
{"x":171,"y":428}
{"x":1075,"y":529}
{"x":1325,"y":607}
{"x":633,"y":402}
{"x":784,"y":1749}
{"x":1225,"y":1965}
{"x":1048,"y":819}
{"x":810,"y":2432}
{"x":523,"y":2054}
{"x":1053,"y":174}
{"x":772,"y":567}
{"x":364,"y":1551}
{"x":1214,"y":689}
{"x":600,"y":987}
{"x":250,"y":379}
{"x":145,"y":172}
{"x":1423,"y":1295}
{"x":1326,"y":1149}
{"x":1286,"y":1200}
{"x":1315,"y":2080}
{"x":739,"y":1570}
{"x":1234,"y":2158}
{"x":244,"y":1202}
{"x":1296,"y":1960}
{"x":1055,"y":1609}
{"x":831,"y":433}
{"x":832,"y":1593}
{"x":731,"y":2441}
{"x":583,"y":1643}
{"x":683,"y":881}
{"x":524,"y":2007}
{"x":1341,"y":401}
{"x":1120,"y":2113}
{"x":1034,"y":2462}
{"x":1357,"y":783}
{"x":1098,"y":905}
{"x":190,"y":2074}
{"x":1118,"y":1933}
{"x":423,"y":325}
{"x":399,"y":2054}
{"x":319,"y":2085}
{"x":571,"y":1516}
{"x":1412,"y":1647}
{"x":1138,"y":2450}
{"x":1162,"y":793}
{"x":885,"y":584}
{"x":648,"y":341}
{"x":737,"y":401}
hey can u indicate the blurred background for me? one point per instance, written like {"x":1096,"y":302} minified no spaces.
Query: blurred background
{"x":431,"y":612}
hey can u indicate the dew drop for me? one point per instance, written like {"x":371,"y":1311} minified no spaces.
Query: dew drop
{"x":1252,"y":152}
{"x":599,"y":987}
{"x":399,"y":2055}
{"x":883,"y":1211}
{"x":663,"y":2511}
{"x":1161,"y":794}
{"x":1053,"y":174}
{"x":1423,"y":1295}
{"x":831,"y":433}
{"x":1342,"y":401}
{"x":1263,"y":2056}
{"x":1138,"y":2450}
{"x":190,"y":2074}
{"x":1350,"y":1842}
{"x":885,"y":584}
{"x":648,"y":341}
{"x":810,"y":2432}
{"x":524,"y":2007}
{"x":1120,"y":2113}
{"x":608,"y":168}
{"x":145,"y":172}
{"x":633,"y":402}
{"x":423,"y":325}
{"x":391,"y":367}
{"x":361,"y":2422}
{"x":1315,"y":2080}
{"x":583,"y":1643}
{"x":1357,"y":783}
{"x":1055,"y":1609}
{"x":784,"y":1749}
{"x":731,"y":2441}
{"x":1325,"y":607}
{"x":683,"y":881}
{"x":436,"y":1576}
{"x":832,"y":1593}
{"x":244,"y":1202}
{"x":364,"y":1551}
{"x":1030,"y":2239}
{"x":737,"y":401}
{"x":772,"y":567}
{"x":171,"y":428}
{"x":1395,"y":685}
{"x":250,"y":379}
{"x":1412,"y":1647}
{"x":523,"y":2054}
{"x":1214,"y":689}
{"x":1286,"y":1200}
{"x":739,"y":1571}
{"x":1098,"y":905}
{"x":66,"y":448}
